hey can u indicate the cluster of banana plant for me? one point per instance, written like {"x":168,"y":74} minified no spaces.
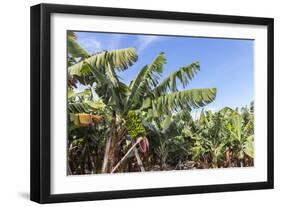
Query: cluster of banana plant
{"x":87,"y":131}
{"x":223,"y":139}
{"x":110,"y":121}
{"x":216,"y":139}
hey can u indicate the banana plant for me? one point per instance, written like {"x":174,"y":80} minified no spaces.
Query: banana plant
{"x":213,"y":134}
{"x":166,"y":136}
{"x":217,"y":135}
{"x":241,"y":133}
{"x":86,"y":140}
{"x":148,"y":92}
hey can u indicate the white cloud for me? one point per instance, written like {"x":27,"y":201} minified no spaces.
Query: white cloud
{"x":92,"y":45}
{"x":145,"y":41}
{"x":115,"y":41}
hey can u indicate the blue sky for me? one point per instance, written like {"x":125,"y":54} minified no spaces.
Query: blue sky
{"x":226,"y":64}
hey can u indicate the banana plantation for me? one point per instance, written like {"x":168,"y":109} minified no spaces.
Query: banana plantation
{"x":148,"y":124}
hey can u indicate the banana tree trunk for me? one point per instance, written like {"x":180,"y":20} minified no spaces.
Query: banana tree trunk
{"x":69,"y":172}
{"x":140,"y":164}
{"x":106,"y":155}
{"x":114,"y":146}
{"x":125,"y":156}
{"x":111,"y":151}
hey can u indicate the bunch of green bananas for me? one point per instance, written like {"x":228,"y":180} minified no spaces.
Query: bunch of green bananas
{"x":134,"y":125}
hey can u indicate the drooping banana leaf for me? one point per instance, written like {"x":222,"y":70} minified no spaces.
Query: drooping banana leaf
{"x":73,"y":48}
{"x":146,"y":79}
{"x":183,"y":100}
{"x":183,"y":76}
{"x":117,"y":59}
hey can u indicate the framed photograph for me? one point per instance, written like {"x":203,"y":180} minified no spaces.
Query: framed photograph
{"x":133,"y":103}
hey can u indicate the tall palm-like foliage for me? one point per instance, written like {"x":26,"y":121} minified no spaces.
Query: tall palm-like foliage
{"x":148,"y":92}
{"x":241,"y":133}
{"x":223,"y":138}
{"x":167,"y":134}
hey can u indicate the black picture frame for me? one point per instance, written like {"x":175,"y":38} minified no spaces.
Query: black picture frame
{"x":41,"y":96}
